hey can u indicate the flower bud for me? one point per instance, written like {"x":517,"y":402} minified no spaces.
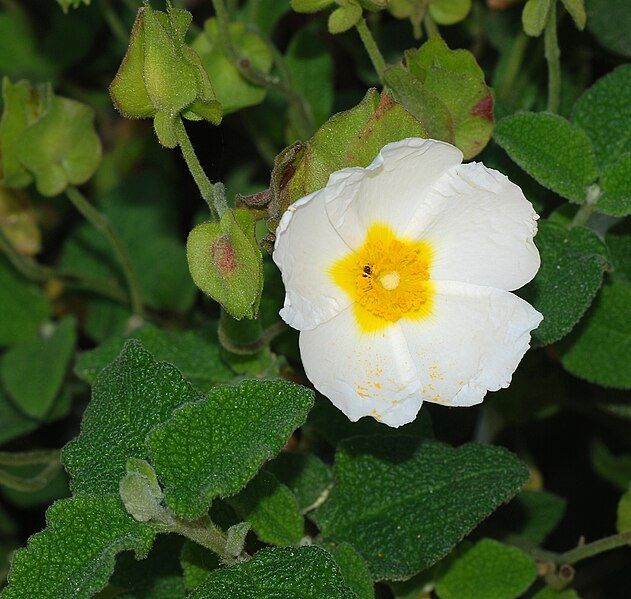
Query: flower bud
{"x":226,"y":263}
{"x":161,"y":76}
{"x":344,"y":17}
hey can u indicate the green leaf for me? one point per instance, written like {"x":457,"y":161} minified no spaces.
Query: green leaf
{"x":24,"y":307}
{"x":310,"y":5}
{"x":66,"y":4}
{"x":535,"y":16}
{"x":556,"y":153}
{"x":233,"y":90}
{"x":215,"y":446}
{"x":604,"y":111}
{"x":283,"y":573}
{"x":305,"y":474}
{"x":533,"y":515}
{"x":576,"y":8}
{"x":264,"y":14}
{"x":311,"y":70}
{"x":62,"y":147}
{"x":271,"y":509}
{"x":598,"y":349}
{"x":609,"y":21}
{"x":449,"y":12}
{"x":623,"y":519}
{"x":129,"y":398}
{"x":618,"y":241}
{"x":616,"y":191}
{"x":503,"y":572}
{"x":404,"y":503}
{"x":197,"y":562}
{"x":614,"y":468}
{"x":158,"y":576}
{"x":33,"y":371}
{"x":572,"y":265}
{"x":196,"y":354}
{"x":74,"y":556}
{"x":354,"y":570}
{"x":344,"y":17}
{"x":328,"y":423}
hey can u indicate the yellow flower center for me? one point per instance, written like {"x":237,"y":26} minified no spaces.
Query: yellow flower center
{"x":388,"y":279}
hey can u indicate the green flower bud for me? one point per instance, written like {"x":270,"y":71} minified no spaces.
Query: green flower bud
{"x":226,"y":263}
{"x":344,"y":17}
{"x":46,"y":138}
{"x":310,"y":5}
{"x":161,"y":76}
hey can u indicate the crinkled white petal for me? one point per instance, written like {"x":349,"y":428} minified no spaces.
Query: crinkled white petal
{"x":471,"y":343}
{"x":391,"y":188}
{"x":306,"y":246}
{"x":363,"y":374}
{"x":480,"y":227}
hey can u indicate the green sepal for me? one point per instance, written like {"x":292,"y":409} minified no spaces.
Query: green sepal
{"x":226,"y":262}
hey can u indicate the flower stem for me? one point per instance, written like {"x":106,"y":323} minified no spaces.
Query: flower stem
{"x":430,"y":26}
{"x":304,"y":119}
{"x":372,"y":49}
{"x":553,"y":57}
{"x":585,"y":211}
{"x":100,"y":222}
{"x":600,"y":546}
{"x":216,"y":201}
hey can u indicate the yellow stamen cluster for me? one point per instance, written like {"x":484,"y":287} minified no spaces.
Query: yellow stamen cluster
{"x":387,"y":277}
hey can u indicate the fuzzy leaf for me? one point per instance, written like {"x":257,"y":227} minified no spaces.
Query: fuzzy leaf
{"x":74,"y":556}
{"x":503,"y":572}
{"x":604,"y":111}
{"x":130,"y":397}
{"x":271,"y":509}
{"x":535,"y":16}
{"x":404,"y":503}
{"x":616,"y":189}
{"x":598,"y":349}
{"x":538,"y":513}
{"x":215,"y":446}
{"x":449,"y":12}
{"x":610,"y":21}
{"x":196,"y":354}
{"x":572,"y":265}
{"x":354,"y":570}
{"x":556,"y":153}
{"x":197,"y":562}
{"x":305,"y":474}
{"x":284,"y":573}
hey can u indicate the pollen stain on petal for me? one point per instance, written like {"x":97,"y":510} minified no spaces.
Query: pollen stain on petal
{"x":387,"y":278}
{"x":376,"y":415}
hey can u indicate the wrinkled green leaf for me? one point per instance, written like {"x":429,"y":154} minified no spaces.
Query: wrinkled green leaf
{"x":213,"y":447}
{"x":556,"y":153}
{"x":74,"y":556}
{"x":271,"y":509}
{"x":354,"y":570}
{"x":404,"y":503}
{"x":572,"y":265}
{"x":284,"y":573}
{"x":604,"y":111}
{"x":33,"y":371}
{"x":197,"y":562}
{"x":598,"y":349}
{"x":616,"y":189}
{"x":305,"y":474}
{"x":196,"y":354}
{"x":130,"y":397}
{"x":503,"y":572}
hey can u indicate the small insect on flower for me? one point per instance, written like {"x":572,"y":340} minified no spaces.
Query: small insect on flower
{"x":398,"y":277}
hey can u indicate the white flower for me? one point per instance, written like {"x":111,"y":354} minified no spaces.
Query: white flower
{"x":398,"y":277}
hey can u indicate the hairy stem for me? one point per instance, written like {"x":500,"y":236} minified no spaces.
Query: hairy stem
{"x":372,"y":49}
{"x":585,"y":211}
{"x":553,"y":57}
{"x":430,"y":26}
{"x":600,"y":546}
{"x":100,"y":222}
{"x":304,"y":119}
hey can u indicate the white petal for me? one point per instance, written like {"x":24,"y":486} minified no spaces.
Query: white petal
{"x":363,"y":374}
{"x":306,"y":246}
{"x":472,"y":342}
{"x":389,"y":190}
{"x":481,"y":229}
